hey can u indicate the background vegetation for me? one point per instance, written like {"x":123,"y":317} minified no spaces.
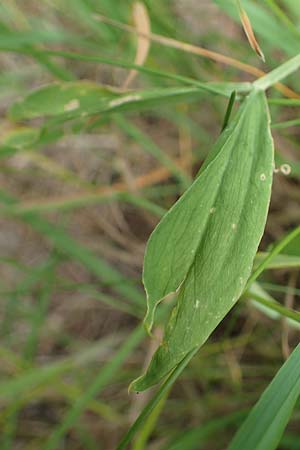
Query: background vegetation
{"x":79,"y":198}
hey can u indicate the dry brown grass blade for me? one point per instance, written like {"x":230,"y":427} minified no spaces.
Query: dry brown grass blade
{"x":142,"y":24}
{"x":195,"y":50}
{"x":249,"y":31}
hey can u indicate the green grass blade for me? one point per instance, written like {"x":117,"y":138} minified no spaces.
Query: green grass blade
{"x":278,"y":74}
{"x":265,"y":425}
{"x":68,"y":246}
{"x":97,"y":385}
{"x":275,"y":251}
{"x":155,"y":401}
{"x":286,"y":124}
{"x":219,"y":88}
{"x":149,"y":145}
{"x":283,"y":17}
{"x":284,"y":101}
{"x":192,"y":439}
{"x":275,"y":306}
{"x":149,"y":425}
{"x":264,"y":24}
{"x":278,"y":261}
{"x":229,"y":110}
{"x":38,"y":376}
{"x":71,"y":100}
{"x":92,"y":198}
{"x":64,"y":243}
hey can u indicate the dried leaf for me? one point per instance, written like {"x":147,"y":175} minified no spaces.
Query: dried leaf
{"x":249,"y":31}
{"x":142,"y":24}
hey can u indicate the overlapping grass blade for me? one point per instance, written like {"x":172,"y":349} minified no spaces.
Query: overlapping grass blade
{"x":278,"y":74}
{"x":290,"y":237}
{"x":35,"y":377}
{"x":94,"y":389}
{"x":80,"y":99}
{"x":218,"y":88}
{"x":138,"y":424}
{"x":151,"y":147}
{"x":264,"y":24}
{"x":193,"y":439}
{"x":281,"y":261}
{"x":265,"y":425}
{"x":65,"y":244}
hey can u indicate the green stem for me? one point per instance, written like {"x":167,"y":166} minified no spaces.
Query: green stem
{"x":275,"y":251}
{"x":155,"y":400}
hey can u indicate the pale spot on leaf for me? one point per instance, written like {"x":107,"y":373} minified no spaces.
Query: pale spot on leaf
{"x":73,"y":104}
{"x":122,"y":100}
{"x":263,"y":177}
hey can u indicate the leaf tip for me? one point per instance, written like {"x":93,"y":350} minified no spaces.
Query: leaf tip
{"x":249,"y":32}
{"x":136,"y":386}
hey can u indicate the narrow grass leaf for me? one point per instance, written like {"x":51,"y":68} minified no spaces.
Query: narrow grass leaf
{"x":229,"y":110}
{"x":103,"y":378}
{"x":36,"y":377}
{"x":83,"y":98}
{"x":151,"y":147}
{"x":286,"y":124}
{"x":155,"y":400}
{"x":265,"y":424}
{"x":277,"y":307}
{"x":65,"y":244}
{"x":278,"y":74}
{"x":193,"y":439}
{"x":279,"y":261}
{"x":204,"y":247}
{"x":275,"y":251}
{"x":90,"y":198}
{"x":218,"y":88}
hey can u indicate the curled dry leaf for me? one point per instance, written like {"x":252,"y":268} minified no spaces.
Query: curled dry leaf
{"x":142,"y":25}
{"x":249,"y":31}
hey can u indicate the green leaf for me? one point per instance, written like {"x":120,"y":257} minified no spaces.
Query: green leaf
{"x":61,"y":98}
{"x":83,"y":98}
{"x":22,"y":137}
{"x":204,"y":247}
{"x":265,"y":424}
